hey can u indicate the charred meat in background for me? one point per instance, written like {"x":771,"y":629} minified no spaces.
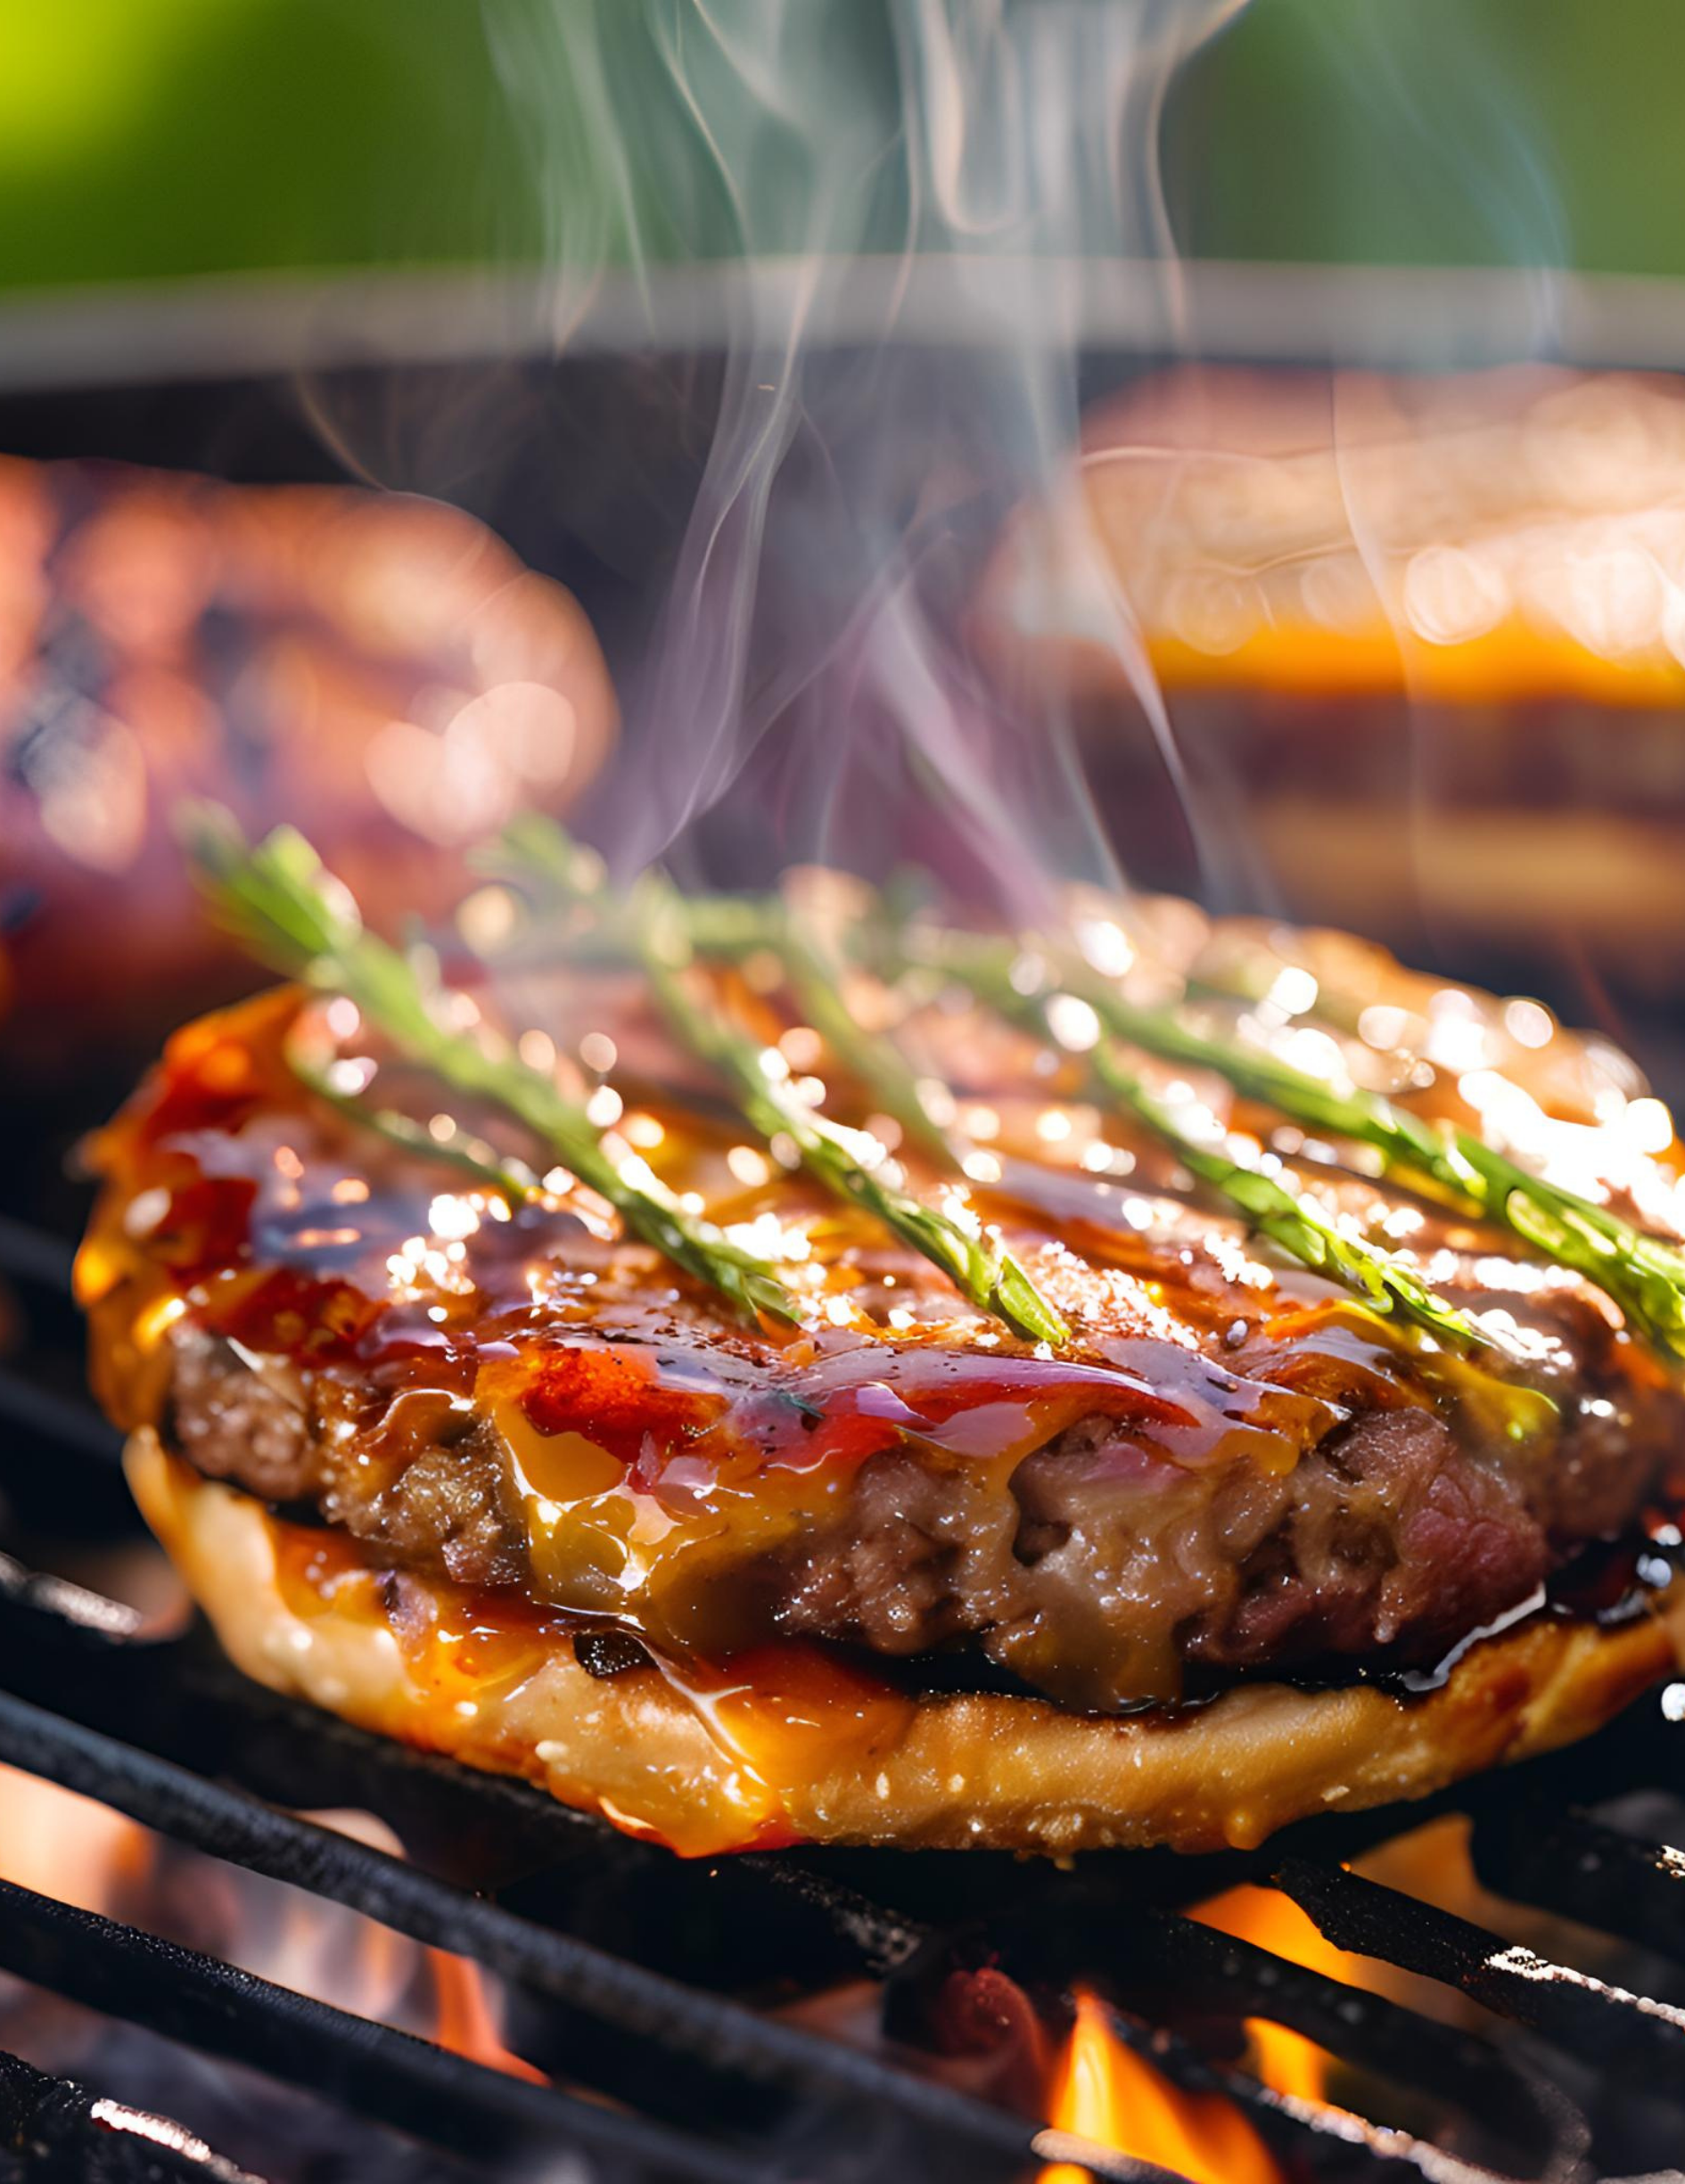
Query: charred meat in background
{"x":381,"y":668}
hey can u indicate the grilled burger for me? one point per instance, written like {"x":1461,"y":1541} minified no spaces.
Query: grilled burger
{"x":1146,"y":1523}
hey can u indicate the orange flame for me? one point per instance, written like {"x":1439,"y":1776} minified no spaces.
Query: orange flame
{"x":1286,"y":2060}
{"x":466,"y":2024}
{"x":1106,"y":2092}
{"x":61,"y":1844}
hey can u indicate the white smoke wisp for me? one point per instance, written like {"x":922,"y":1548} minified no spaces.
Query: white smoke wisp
{"x":809,"y":690}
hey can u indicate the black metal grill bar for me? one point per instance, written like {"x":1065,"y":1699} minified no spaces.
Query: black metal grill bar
{"x":77,"y":1656}
{"x":1166,"y":1968}
{"x":91,"y":1618}
{"x":84,"y":1624}
{"x":1366,"y":2029}
{"x":1574,"y":1865}
{"x":228,"y":1824}
{"x":724,"y":2035}
{"x":76,"y":1425}
{"x":883,"y":1940}
{"x":389,"y":2076}
{"x":85,"y":1657}
{"x":1628,"y":2035}
{"x":59,"y":2130}
{"x":1285,"y":2116}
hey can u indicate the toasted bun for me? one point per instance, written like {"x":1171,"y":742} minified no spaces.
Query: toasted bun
{"x":742,"y":1766}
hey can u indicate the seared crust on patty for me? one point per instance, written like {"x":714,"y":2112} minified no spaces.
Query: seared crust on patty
{"x":981,"y":1770}
{"x":448,"y":1510}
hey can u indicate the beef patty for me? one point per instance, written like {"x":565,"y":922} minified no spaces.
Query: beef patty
{"x":1230,"y":1466}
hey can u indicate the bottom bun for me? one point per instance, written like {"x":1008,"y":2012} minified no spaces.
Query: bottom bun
{"x":789,"y":1746}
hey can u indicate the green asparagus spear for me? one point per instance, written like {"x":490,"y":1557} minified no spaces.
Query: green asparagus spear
{"x":514,"y":1186}
{"x":1297,"y":1224}
{"x":664,"y":929}
{"x":1644,"y":1275}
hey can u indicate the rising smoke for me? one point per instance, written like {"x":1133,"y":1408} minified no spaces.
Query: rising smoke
{"x":897,"y":207}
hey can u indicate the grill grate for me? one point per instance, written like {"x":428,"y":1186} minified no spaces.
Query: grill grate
{"x":387,"y":2075}
{"x":1566,"y":1861}
{"x":648,"y":1975}
{"x":60,"y":2130}
{"x":1626,"y":2034}
{"x":1176,"y":1968}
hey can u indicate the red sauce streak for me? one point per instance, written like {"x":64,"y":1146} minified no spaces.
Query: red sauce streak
{"x":614,"y":1399}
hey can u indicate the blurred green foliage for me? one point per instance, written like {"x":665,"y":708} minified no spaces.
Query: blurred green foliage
{"x":141,"y":138}
{"x":145,"y":138}
{"x":1438,"y":132}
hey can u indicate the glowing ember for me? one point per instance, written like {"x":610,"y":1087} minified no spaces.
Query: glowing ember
{"x":1106,"y":2092}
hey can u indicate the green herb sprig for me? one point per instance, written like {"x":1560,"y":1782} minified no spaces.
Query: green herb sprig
{"x":556,"y":871}
{"x":277,"y":899}
{"x":844,"y":1161}
{"x":1296,"y":1223}
{"x":513,"y":1184}
{"x":540,"y":855}
{"x":1643,"y":1274}
{"x":663,"y":930}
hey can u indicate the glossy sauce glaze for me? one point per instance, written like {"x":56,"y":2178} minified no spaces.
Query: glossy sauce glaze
{"x":776,"y":1714}
{"x":652,"y":1443}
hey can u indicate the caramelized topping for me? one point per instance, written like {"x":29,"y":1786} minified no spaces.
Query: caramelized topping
{"x":648,"y":1439}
